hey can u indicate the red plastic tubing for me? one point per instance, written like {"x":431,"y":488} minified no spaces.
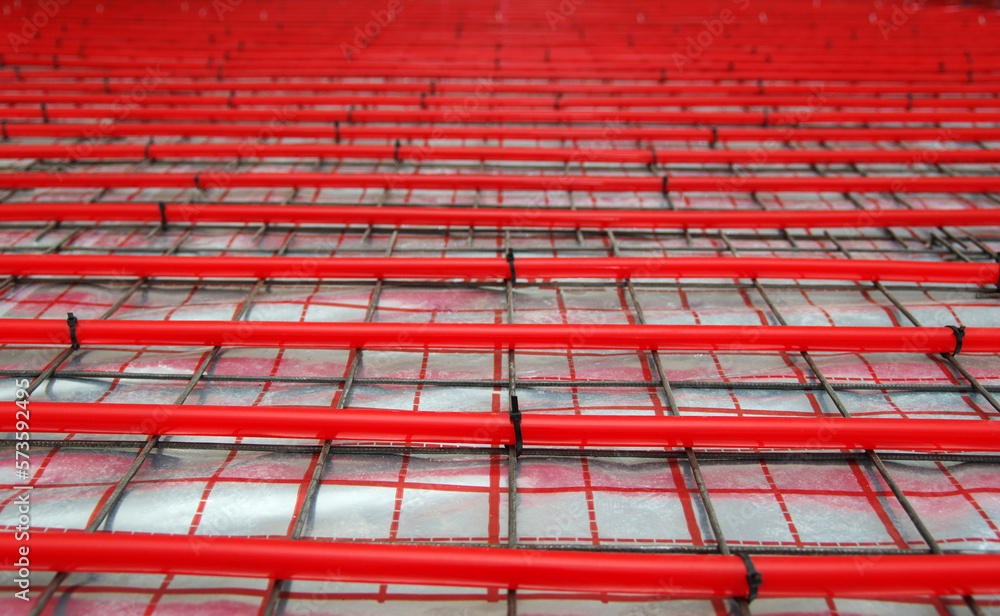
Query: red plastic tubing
{"x":494,"y":217}
{"x":785,"y":134}
{"x":437,"y":268}
{"x":676,"y":575}
{"x":726,"y":184}
{"x":506,"y":336}
{"x":227,"y":151}
{"x":360,"y":424}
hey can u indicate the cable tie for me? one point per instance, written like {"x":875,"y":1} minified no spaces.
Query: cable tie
{"x":336,"y":131}
{"x":754,"y":578}
{"x":959,"y":335}
{"x":45,"y":113}
{"x":765,"y":117}
{"x":715,"y":136}
{"x":555,"y":103}
{"x":665,"y":189}
{"x":510,"y":262}
{"x":515,"y":418}
{"x":395,"y":153}
{"x":72,"y":321}
{"x":3,"y":127}
{"x":163,"y":214}
{"x":145,"y":150}
{"x":197,"y":181}
{"x":656,"y":161}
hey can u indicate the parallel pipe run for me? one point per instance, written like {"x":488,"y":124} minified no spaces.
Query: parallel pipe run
{"x":666,"y":576}
{"x":731,"y":338}
{"x":259,"y":213}
{"x":422,"y":427}
{"x":225,"y":151}
{"x":618,"y":268}
{"x":724,"y":184}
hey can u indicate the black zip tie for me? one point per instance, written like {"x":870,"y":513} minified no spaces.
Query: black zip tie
{"x":395,"y":153}
{"x":765,"y":117}
{"x":652,"y":151}
{"x":145,"y":150}
{"x":715,"y":136}
{"x":515,"y":418}
{"x":754,"y":578}
{"x":510,"y":262}
{"x":163,"y":214}
{"x":664,"y":189}
{"x":45,"y":113}
{"x":72,"y":321}
{"x":336,"y":131}
{"x":3,"y":127}
{"x":555,"y":103}
{"x":959,"y":335}
{"x":909,"y":101}
{"x":197,"y":181}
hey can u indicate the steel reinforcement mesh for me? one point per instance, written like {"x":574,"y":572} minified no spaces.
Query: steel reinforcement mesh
{"x":510,"y":307}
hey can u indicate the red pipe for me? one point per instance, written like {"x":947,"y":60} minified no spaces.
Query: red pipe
{"x":608,"y":134}
{"x":726,"y":184}
{"x":719,"y":90}
{"x":549,"y":101}
{"x":481,"y":116}
{"x":666,"y":576}
{"x":131,"y":151}
{"x":462,"y":428}
{"x":437,"y":268}
{"x":495,"y":217}
{"x":508,"y":336}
